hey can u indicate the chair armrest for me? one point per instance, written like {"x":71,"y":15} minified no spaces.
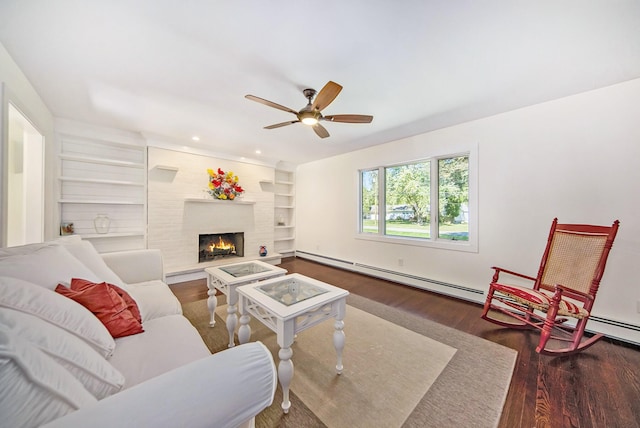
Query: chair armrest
{"x":136,"y":265}
{"x":223,"y":390}
{"x":570,"y":293}
{"x":509,"y":272}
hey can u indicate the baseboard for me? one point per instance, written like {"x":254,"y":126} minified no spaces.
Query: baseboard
{"x":453,"y":290}
{"x":611,"y":328}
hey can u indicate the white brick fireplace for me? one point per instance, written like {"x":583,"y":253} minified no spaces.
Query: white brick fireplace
{"x":179,"y":210}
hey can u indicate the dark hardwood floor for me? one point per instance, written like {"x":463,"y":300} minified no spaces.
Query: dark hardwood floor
{"x":599,"y":387}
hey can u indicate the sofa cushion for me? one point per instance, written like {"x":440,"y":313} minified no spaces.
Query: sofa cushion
{"x":47,"y":267}
{"x":155,"y":299}
{"x":168,"y":342}
{"x":29,"y":298}
{"x":35,"y":389}
{"x":95,"y":373}
{"x":105,"y":303}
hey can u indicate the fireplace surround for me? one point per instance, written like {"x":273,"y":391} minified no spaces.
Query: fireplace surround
{"x":215,"y":246}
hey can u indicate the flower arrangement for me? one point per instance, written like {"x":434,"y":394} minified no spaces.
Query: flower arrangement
{"x":223,"y":185}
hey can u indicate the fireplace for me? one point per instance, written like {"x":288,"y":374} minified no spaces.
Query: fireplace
{"x":215,"y":246}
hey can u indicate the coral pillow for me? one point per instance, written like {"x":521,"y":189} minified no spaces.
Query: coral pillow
{"x":105,"y":303}
{"x":80,"y":284}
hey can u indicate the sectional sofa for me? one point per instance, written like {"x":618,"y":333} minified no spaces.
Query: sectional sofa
{"x":62,"y":303}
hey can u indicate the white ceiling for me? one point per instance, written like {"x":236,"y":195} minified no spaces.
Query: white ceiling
{"x":174,"y":69}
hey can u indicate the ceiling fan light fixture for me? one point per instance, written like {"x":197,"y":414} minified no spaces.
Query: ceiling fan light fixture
{"x":309,"y":117}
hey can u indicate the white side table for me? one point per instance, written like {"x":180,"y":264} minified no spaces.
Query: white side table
{"x":287,"y":306}
{"x":227,"y":278}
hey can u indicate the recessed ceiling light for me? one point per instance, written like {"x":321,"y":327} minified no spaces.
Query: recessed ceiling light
{"x":258,"y":152}
{"x":195,"y":138}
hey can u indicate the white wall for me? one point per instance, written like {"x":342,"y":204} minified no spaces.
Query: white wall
{"x":574,"y":158}
{"x":17,"y":89}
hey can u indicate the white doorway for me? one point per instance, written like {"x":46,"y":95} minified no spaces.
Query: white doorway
{"x":24,"y":164}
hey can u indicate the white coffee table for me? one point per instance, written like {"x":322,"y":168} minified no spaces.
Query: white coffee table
{"x":227,"y":278}
{"x":287,"y":306}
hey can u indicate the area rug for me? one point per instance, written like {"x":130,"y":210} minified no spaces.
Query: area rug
{"x":399,"y":370}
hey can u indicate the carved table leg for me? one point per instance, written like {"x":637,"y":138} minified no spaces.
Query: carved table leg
{"x":285,"y":374}
{"x":338,"y":343}
{"x":244,"y":331}
{"x":338,"y":334}
{"x":212,"y":303}
{"x":232,"y":317}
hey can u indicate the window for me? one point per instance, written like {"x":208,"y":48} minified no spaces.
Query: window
{"x":426,"y":202}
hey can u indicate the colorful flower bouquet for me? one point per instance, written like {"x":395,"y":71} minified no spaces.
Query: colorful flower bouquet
{"x":223,"y":185}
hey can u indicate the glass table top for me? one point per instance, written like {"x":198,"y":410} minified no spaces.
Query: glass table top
{"x":244,"y":269}
{"x":290,"y":291}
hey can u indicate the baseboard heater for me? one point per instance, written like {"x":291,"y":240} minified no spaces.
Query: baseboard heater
{"x":615,"y":323}
{"x":454,"y":290}
{"x":617,"y":330}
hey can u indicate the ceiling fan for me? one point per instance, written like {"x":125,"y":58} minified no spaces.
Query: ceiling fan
{"x":311,"y":114}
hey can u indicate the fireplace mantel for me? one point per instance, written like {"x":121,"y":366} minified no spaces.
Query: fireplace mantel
{"x":216,"y":201}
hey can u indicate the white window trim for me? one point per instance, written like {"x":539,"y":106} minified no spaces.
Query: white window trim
{"x":467,"y":246}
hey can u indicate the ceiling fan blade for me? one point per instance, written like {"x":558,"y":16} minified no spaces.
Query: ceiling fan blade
{"x":320,"y":130}
{"x":270,"y":103}
{"x":349,"y":118}
{"x":326,"y":95}
{"x":279,"y":125}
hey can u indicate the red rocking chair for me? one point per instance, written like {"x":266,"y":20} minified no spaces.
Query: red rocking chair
{"x":565,"y":288}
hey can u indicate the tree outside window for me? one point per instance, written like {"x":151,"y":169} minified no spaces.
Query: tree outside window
{"x":404,"y":204}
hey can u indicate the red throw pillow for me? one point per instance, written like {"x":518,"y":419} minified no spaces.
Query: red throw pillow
{"x":105,"y":303}
{"x":79,"y":284}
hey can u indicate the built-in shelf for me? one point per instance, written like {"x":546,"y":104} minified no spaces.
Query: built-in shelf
{"x":111,"y":235}
{"x":106,"y":176}
{"x":267,"y":186}
{"x":102,"y":161}
{"x":99,"y":181}
{"x":98,"y":201}
{"x":166,"y":168}
{"x":218,"y":201}
{"x":284,"y":211}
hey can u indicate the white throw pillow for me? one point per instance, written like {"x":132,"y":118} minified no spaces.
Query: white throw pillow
{"x":89,"y":256}
{"x":35,"y":389}
{"x":47,"y":267}
{"x":97,"y":375}
{"x":61,"y":311}
{"x":154,"y":299}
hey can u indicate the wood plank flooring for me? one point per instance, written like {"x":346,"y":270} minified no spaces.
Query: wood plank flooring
{"x":597,"y":388}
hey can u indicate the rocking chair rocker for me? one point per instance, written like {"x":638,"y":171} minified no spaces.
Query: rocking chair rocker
{"x":565,"y":288}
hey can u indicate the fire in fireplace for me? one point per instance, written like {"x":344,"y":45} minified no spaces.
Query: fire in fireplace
{"x":214,"y":246}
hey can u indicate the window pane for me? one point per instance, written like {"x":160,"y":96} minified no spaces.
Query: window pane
{"x":369,"y":202}
{"x":453,"y":198}
{"x":407,"y":200}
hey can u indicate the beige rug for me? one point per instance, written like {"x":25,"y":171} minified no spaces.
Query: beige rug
{"x":387,"y":368}
{"x":399,"y":370}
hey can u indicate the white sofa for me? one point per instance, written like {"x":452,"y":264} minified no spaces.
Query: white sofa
{"x":60,"y":366}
